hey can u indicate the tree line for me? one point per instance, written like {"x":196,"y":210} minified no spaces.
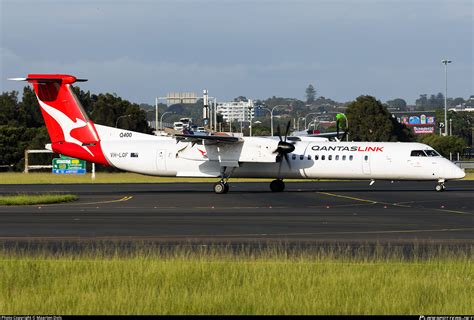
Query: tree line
{"x":22,"y":125}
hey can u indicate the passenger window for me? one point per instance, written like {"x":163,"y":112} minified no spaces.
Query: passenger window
{"x":293,"y":157}
{"x":337,"y":157}
{"x":344,"y":157}
{"x":330,"y":157}
{"x":418,"y":153}
{"x":301,"y":157}
{"x":309,"y":157}
{"x":366,"y":158}
{"x":323,"y":157}
{"x":351,"y":157}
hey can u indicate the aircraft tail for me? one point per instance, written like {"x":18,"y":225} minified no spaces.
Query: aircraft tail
{"x":72,"y":133}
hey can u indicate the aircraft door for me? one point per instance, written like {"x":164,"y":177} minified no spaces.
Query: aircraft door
{"x":161,"y":160}
{"x":366,"y":164}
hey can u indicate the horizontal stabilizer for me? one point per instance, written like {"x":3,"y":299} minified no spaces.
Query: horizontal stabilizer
{"x":47,"y":78}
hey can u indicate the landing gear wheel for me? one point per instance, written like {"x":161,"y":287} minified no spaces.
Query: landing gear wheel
{"x":277,"y":185}
{"x":440,"y":187}
{"x":221,"y":187}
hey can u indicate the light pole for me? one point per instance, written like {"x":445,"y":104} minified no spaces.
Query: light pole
{"x":116,"y":122}
{"x":156,"y":114}
{"x":298,"y":123}
{"x":314,"y":120}
{"x":271,"y":121}
{"x":251,"y":118}
{"x":271,"y":116}
{"x":161,"y":118}
{"x":445,"y":62}
{"x":307,"y":117}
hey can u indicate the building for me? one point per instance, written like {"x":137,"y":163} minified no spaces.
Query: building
{"x":241,"y":111}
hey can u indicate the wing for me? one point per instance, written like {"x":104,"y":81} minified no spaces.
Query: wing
{"x":200,"y":138}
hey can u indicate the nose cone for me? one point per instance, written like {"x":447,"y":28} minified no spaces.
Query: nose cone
{"x":457,"y":173}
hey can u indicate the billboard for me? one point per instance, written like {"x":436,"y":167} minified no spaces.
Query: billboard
{"x":420,"y":122}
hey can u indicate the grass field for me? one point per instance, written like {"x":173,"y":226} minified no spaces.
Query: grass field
{"x":144,"y":283}
{"x":27,"y":199}
{"x":48,"y":178}
{"x":125,"y":177}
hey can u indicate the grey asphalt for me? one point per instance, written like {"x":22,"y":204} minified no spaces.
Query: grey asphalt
{"x":305,"y":212}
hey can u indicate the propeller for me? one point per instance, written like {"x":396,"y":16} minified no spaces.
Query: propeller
{"x":284,"y":148}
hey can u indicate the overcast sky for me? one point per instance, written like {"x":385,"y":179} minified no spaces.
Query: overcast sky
{"x":143,"y":49}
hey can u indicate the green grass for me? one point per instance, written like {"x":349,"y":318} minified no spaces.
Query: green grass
{"x":101,"y":177}
{"x":271,"y":283}
{"x":28,"y":199}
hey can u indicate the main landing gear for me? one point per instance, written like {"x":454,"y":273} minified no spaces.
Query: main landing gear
{"x":277,"y":185}
{"x":221,"y":187}
{"x":440,"y":186}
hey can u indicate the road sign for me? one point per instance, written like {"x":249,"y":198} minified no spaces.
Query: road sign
{"x":67,"y":165}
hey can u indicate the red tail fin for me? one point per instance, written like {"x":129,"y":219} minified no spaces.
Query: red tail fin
{"x":70,"y":130}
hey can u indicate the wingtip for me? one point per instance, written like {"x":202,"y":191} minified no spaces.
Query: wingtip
{"x":16,"y":79}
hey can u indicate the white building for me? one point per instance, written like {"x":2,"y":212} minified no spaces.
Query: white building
{"x":236,"y":111}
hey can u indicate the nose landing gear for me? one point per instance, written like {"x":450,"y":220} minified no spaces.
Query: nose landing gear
{"x":440,"y":186}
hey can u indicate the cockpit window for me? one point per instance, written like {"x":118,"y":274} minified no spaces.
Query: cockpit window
{"x":418,"y":153}
{"x":432,"y":153}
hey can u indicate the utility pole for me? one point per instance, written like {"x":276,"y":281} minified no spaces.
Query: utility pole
{"x":445,"y":62}
{"x":156,"y":115}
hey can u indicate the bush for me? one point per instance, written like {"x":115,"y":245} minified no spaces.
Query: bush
{"x":444,"y":144}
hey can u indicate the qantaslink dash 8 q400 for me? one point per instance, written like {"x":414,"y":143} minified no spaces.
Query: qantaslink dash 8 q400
{"x":222,"y":156}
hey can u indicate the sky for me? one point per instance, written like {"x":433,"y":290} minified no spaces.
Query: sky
{"x":258,"y":49}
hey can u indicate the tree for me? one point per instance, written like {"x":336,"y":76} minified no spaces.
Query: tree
{"x":9,"y":108}
{"x":310,"y":94}
{"x":422,"y":102}
{"x":456,"y":101}
{"x":30,"y":107}
{"x":444,"y":144}
{"x":369,"y":120}
{"x":397,"y":103}
{"x":461,"y":123}
{"x":241,"y":98}
{"x":109,"y":107}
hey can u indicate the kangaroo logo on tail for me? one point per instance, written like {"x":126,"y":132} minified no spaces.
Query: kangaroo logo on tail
{"x":66,"y":124}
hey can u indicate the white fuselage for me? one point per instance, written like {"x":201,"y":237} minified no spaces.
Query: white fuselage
{"x":254,"y":158}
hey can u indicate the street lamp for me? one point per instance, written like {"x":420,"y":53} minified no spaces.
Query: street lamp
{"x":298,"y":123}
{"x":161,"y":119}
{"x":116,"y":122}
{"x":318,"y":118}
{"x":271,"y":115}
{"x":305,"y":127}
{"x":445,"y":62}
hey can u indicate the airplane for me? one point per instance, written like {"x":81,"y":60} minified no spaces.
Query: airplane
{"x":222,"y":156}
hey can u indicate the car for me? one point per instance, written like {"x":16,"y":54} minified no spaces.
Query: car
{"x":178,"y":126}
